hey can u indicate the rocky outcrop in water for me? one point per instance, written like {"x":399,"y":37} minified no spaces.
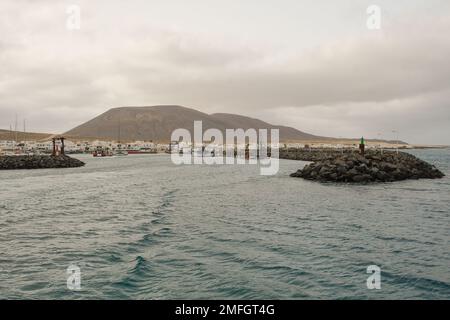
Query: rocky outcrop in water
{"x":38,"y":162}
{"x":373,"y":167}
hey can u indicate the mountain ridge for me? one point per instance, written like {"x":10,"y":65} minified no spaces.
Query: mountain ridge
{"x":156,"y":123}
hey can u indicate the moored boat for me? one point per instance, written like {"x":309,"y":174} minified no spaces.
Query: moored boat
{"x":119,"y":152}
{"x":141,"y":150}
{"x":100,"y":152}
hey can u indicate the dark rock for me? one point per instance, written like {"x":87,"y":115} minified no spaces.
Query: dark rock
{"x":341,"y":169}
{"x":388,"y":166}
{"x":352,"y":172}
{"x":323,"y":170}
{"x":362,"y":168}
{"x":362,"y":178}
{"x":350,"y":164}
{"x":333,"y":176}
{"x":381,"y":175}
{"x":340,"y":163}
{"x":374,"y":170}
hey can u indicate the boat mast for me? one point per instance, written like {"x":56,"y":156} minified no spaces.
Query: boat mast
{"x":15,"y":130}
{"x":118,"y":140}
{"x":24,"y":134}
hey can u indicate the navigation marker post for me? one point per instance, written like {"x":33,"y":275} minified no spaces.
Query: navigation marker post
{"x":362,"y":146}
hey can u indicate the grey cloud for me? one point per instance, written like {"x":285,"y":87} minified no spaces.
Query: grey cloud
{"x":58,"y":79}
{"x":373,"y":70}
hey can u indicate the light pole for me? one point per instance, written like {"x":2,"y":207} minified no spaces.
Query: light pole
{"x":380,"y":142}
{"x":398,"y":138}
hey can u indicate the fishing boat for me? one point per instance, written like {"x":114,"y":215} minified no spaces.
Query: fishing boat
{"x":141,"y":150}
{"x":119,"y":152}
{"x":101,"y":152}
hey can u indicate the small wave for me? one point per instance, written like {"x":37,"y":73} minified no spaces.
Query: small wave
{"x":146,"y":241}
{"x":141,"y":266}
{"x":166,"y":202}
{"x":402,"y":239}
{"x":35,"y":286}
{"x":163,"y":232}
{"x":431,"y":286}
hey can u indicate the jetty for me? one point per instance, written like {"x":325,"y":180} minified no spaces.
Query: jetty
{"x":372,"y":166}
{"x":38,"y":162}
{"x":312,"y":154}
{"x":58,"y":159}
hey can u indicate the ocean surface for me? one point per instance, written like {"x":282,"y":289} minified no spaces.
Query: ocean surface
{"x":139,"y":227}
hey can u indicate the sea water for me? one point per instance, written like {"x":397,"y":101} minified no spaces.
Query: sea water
{"x":140,"y":227}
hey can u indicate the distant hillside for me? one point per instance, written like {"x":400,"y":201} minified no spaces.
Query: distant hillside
{"x":29,"y":136}
{"x":158,"y":122}
{"x":286,"y":133}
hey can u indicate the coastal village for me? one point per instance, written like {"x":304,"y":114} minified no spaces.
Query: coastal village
{"x":19,"y":147}
{"x":11,"y":147}
{"x":331,"y":162}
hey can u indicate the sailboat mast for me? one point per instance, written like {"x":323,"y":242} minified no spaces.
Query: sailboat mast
{"x":15,"y":129}
{"x":24,"y":134}
{"x":119,"y":132}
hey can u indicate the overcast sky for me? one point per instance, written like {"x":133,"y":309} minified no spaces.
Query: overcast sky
{"x":313,"y":65}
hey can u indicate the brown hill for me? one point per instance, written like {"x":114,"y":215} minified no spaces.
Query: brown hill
{"x":286,"y":133}
{"x":28,"y":136}
{"x":158,"y":122}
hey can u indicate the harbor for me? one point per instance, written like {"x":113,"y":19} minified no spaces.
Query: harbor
{"x":332,"y":163}
{"x":224,"y":159}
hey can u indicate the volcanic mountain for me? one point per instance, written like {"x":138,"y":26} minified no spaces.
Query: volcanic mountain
{"x":158,"y":122}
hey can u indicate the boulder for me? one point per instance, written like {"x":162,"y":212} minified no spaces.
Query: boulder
{"x":362,"y":178}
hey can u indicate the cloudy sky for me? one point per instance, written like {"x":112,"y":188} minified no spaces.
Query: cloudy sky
{"x":313,"y":65}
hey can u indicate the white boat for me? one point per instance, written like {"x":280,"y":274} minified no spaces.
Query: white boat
{"x":119,"y":152}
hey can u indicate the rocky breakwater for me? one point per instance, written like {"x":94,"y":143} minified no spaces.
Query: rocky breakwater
{"x":38,"y":162}
{"x":306,"y":154}
{"x":372,"y":167}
